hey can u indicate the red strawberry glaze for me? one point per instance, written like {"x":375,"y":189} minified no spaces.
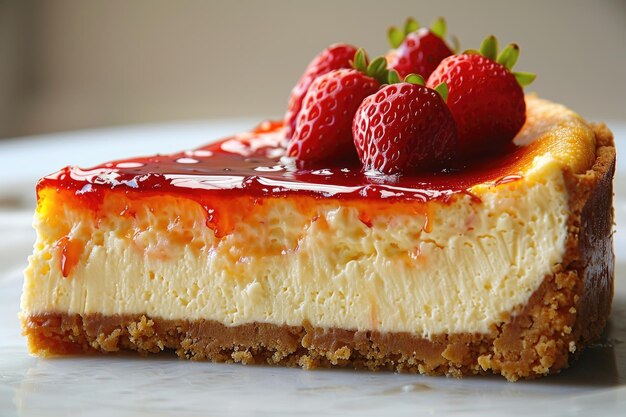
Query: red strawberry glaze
{"x":250,"y":166}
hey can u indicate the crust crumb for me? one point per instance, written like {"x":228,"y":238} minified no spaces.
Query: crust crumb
{"x":243,"y":357}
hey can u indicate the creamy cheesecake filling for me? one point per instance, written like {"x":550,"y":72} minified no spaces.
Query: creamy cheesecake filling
{"x":425,"y":268}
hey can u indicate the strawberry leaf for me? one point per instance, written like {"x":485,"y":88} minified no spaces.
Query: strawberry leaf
{"x":508,"y":56}
{"x":414,"y":79}
{"x":443,"y":91}
{"x":395,"y":37}
{"x":393,"y":77}
{"x":524,"y":78}
{"x":410,"y":26}
{"x":376,"y":66}
{"x":377,"y":69}
{"x":439,"y":27}
{"x":360,"y":61}
{"x":471,"y":52}
{"x":489,"y":47}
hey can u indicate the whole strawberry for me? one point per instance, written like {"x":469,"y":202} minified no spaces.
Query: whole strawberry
{"x":334,"y":57}
{"x":417,"y":50}
{"x":324,"y":126}
{"x":405,"y":127}
{"x":485,"y":97}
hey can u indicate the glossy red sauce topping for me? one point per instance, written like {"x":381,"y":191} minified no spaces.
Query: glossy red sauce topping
{"x":253,"y":164}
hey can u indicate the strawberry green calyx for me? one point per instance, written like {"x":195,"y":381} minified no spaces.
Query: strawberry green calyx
{"x":360,"y":60}
{"x":417,"y":79}
{"x":507,"y":58}
{"x":376,"y":69}
{"x":396,"y":35}
{"x":489,"y":48}
{"x":524,"y":78}
{"x":439,"y":27}
{"x":393,"y":77}
{"x":442,"y":89}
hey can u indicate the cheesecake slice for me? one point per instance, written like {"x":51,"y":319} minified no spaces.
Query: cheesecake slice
{"x":232,"y":252}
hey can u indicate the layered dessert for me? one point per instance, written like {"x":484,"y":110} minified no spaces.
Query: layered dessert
{"x":285,"y":245}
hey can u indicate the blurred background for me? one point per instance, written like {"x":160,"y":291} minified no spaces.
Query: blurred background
{"x":72,"y":64}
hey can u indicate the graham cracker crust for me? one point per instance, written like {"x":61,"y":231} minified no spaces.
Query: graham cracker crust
{"x":566,"y":313}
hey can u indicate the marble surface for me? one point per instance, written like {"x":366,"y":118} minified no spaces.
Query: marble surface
{"x":162,"y":385}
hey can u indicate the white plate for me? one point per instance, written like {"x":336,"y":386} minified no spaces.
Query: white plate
{"x":163,"y":385}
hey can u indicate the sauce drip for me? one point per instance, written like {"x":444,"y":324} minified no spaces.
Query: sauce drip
{"x":70,"y":251}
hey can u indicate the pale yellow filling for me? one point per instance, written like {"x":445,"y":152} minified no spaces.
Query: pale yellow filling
{"x":472,"y":264}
